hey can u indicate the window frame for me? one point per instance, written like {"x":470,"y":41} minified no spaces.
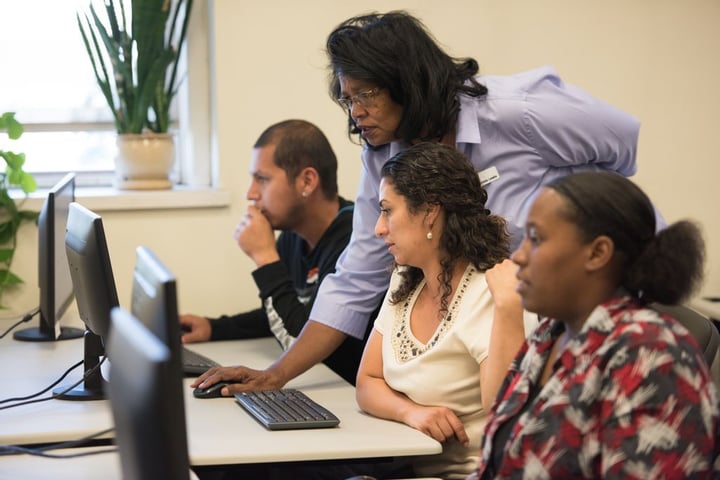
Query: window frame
{"x":194,"y":158}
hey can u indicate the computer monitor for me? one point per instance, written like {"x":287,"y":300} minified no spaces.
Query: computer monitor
{"x":95,"y":293}
{"x":147,"y":403}
{"x":154,"y":301}
{"x":56,"y":289}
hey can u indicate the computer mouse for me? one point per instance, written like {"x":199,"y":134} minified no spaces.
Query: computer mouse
{"x":213,"y":391}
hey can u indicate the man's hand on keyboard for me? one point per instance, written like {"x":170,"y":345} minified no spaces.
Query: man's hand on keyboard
{"x":195,"y":328}
{"x":241,"y":379}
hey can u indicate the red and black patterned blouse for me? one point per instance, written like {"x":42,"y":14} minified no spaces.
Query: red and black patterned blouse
{"x":630,"y":397}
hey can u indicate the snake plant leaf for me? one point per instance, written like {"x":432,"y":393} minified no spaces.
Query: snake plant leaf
{"x":120,"y":75}
{"x":154,"y":80}
{"x":148,"y":26}
{"x":171,"y":85}
{"x":135,"y":57}
{"x":98,"y":64}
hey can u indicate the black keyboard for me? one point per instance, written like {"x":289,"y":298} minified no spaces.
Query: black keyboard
{"x":195,"y":364}
{"x":286,"y":409}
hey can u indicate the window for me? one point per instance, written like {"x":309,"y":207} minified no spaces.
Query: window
{"x":48,"y":81}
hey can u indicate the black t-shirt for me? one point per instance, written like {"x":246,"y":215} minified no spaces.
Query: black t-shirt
{"x":287,"y":289}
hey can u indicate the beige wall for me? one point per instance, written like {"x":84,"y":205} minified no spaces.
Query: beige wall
{"x":656,"y":59}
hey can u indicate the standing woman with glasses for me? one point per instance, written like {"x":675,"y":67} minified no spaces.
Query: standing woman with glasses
{"x":398,"y":88}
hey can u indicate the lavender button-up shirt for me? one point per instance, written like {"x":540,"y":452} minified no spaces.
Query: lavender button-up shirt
{"x":529,"y":129}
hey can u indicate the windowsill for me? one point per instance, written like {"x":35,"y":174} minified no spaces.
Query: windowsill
{"x":105,"y":199}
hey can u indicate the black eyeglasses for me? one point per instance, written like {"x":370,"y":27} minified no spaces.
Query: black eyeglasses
{"x":364,"y":99}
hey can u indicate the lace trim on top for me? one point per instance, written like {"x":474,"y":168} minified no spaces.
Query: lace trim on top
{"x":404,"y":343}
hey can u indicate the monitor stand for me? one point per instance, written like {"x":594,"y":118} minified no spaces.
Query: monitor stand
{"x":38,"y":334}
{"x":93,"y":387}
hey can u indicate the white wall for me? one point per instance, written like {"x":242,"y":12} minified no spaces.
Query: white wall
{"x":656,"y":59}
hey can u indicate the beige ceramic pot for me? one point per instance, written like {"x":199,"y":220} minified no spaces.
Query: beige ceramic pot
{"x":144,"y":161}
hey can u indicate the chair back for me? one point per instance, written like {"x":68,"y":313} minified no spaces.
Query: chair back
{"x":703,"y":329}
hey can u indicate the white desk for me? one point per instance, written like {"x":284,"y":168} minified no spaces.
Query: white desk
{"x":220,"y":432}
{"x":92,"y":467}
{"x":220,"y":428}
{"x":105,"y":466}
{"x":27,"y":368}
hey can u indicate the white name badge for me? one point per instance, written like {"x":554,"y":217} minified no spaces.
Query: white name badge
{"x":488,"y":175}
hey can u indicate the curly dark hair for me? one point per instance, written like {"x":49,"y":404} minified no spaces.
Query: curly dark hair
{"x":437,"y":174}
{"x":395,"y":51}
{"x":664,"y":267}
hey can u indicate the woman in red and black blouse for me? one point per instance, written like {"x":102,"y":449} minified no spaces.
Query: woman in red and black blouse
{"x":605,"y":387}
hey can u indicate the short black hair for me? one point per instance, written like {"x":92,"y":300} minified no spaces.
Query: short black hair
{"x":300,"y":144}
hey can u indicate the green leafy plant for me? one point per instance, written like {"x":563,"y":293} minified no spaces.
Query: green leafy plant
{"x":135,"y":53}
{"x":11,"y":217}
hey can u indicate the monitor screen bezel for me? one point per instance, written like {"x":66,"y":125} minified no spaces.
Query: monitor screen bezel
{"x":154,"y":300}
{"x":55,"y":285}
{"x":90,"y":268}
{"x":95,"y":293}
{"x":147,"y":402}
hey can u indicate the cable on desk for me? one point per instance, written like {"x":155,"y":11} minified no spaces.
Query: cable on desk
{"x":42,"y":451}
{"x":37,"y":400}
{"x":14,"y":450}
{"x":27,"y":397}
{"x":25,"y":318}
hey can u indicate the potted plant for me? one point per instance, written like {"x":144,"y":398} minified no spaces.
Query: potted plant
{"x":134,"y":47}
{"x":12,"y":217}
